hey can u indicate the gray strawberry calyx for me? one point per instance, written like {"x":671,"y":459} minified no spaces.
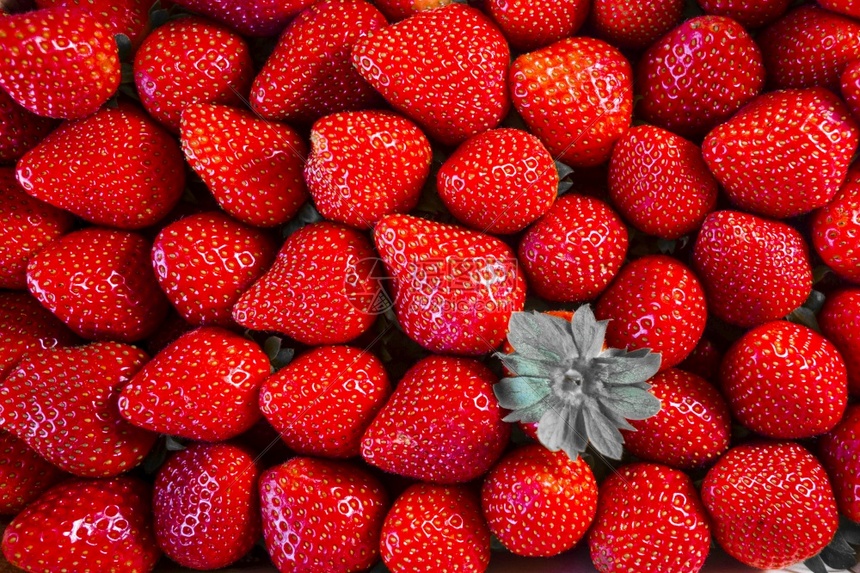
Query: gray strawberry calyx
{"x":577,"y":391}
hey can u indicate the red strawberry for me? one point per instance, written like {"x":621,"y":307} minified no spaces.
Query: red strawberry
{"x":454,"y":289}
{"x":839,"y":451}
{"x":444,"y":437}
{"x":649,"y":520}
{"x":136,"y":187}
{"x":205,"y":262}
{"x":320,"y":290}
{"x":61,"y":62}
{"x":206,"y":506}
{"x":660,"y":182}
{"x":835,"y":229}
{"x":840,"y":323}
{"x":847,"y":7}
{"x":322,"y":402}
{"x":576,"y":95}
{"x":809,"y":47}
{"x":396,"y":10}
{"x":784,"y":380}
{"x":364,"y":165}
{"x":456,"y":89}
{"x":253,"y":167}
{"x":532,"y":25}
{"x":191,"y":60}
{"x":793,"y":167}
{"x":771,"y":504}
{"x":704,"y":360}
{"x":100,"y":283}
{"x":203,"y":386}
{"x":721,"y":70}
{"x":691,"y":430}
{"x":128,"y":17}
{"x":531,"y":488}
{"x":28,"y":226}
{"x":105,"y":524}
{"x":24,"y":475}
{"x":310,"y":74}
{"x":634,"y":25}
{"x":753,"y":270}
{"x":429,"y":525}
{"x":318,"y":513}
{"x":63,"y":404}
{"x":20,"y":130}
{"x":573,"y":252}
{"x":849,"y":83}
{"x":249,"y":17}
{"x":499,"y":181}
{"x":750,"y":14}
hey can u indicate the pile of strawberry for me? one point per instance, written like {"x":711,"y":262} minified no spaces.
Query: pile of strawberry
{"x":391,"y":283}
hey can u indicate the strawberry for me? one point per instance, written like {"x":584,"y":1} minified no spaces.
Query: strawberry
{"x":249,"y":17}
{"x":321,"y":515}
{"x":840,"y":323}
{"x":849,"y":84}
{"x":573,"y":252}
{"x":750,"y":14}
{"x":429,"y":525}
{"x":60,"y":62}
{"x":102,"y":523}
{"x":138,"y":186}
{"x":454,"y":289}
{"x":784,"y":380}
{"x":804,"y":153}
{"x":205,"y":262}
{"x":206,"y":506}
{"x":835,"y":229}
{"x":809,"y":47}
{"x":531,"y":488}
{"x":660,"y":183}
{"x":310,"y":75}
{"x":28,"y":226}
{"x":754,"y":270}
{"x":771,"y":504}
{"x":545,"y":84}
{"x":529,"y":25}
{"x":839,"y":451}
{"x":454,"y":90}
{"x":691,"y":430}
{"x":453,"y":436}
{"x":100,"y":283}
{"x":499,"y":182}
{"x":655,"y":302}
{"x":320,"y":290}
{"x":24,"y":475}
{"x":721,"y":70}
{"x":203,"y":386}
{"x":63,"y":404}
{"x":396,"y":10}
{"x":20,"y":130}
{"x":127,"y":17}
{"x":252,"y":167}
{"x":634,"y":25}
{"x":191,"y":60}
{"x":649,"y":519}
{"x":364,"y":165}
{"x":323,"y":401}
{"x":704,"y":360}
{"x":847,"y":7}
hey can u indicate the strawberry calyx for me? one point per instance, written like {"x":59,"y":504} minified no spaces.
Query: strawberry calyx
{"x":278,"y":355}
{"x":578,"y":391}
{"x":841,"y":554}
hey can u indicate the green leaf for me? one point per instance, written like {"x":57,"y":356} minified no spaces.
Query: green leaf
{"x":520,"y":392}
{"x":557,"y":431}
{"x":563,"y":169}
{"x":816,"y":564}
{"x":540,"y":335}
{"x":524,"y":366}
{"x":533,"y":413}
{"x":172,"y":444}
{"x":632,"y":403}
{"x":804,"y":317}
{"x":588,"y":332}
{"x":123,"y":45}
{"x":619,"y":367}
{"x":603,"y":435}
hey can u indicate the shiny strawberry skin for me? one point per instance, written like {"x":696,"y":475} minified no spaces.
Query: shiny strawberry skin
{"x":24,"y":474}
{"x":396,"y":10}
{"x":555,"y":90}
{"x":532,"y":487}
{"x":750,"y":14}
{"x":846,"y":7}
{"x":721,"y":71}
{"x":531,"y":25}
{"x":323,"y":401}
{"x":254,"y":18}
{"x":634,"y":25}
{"x":318,"y":512}
{"x":454,"y":90}
{"x":835,"y":229}
{"x":839,"y":452}
{"x":128,"y":17}
{"x":20,"y":130}
{"x":840,"y":323}
{"x":364,"y":165}
{"x":650,"y":520}
{"x":849,"y":84}
{"x":771,"y":504}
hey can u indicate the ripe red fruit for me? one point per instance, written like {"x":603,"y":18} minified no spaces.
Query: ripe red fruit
{"x":532,"y":25}
{"x":249,"y":17}
{"x":396,"y":10}
{"x":750,"y":14}
{"x":754,"y":270}
{"x":206,"y":507}
{"x":24,"y":474}
{"x":573,"y":252}
{"x":850,"y":88}
{"x":444,"y":437}
{"x":532,"y":487}
{"x":322,"y":402}
{"x":576,"y":96}
{"x":771,"y":504}
{"x":847,"y":7}
{"x":649,"y":520}
{"x":20,"y":130}
{"x":721,"y":70}
{"x":364,"y":165}
{"x":128,"y":17}
{"x":499,"y":181}
{"x":454,"y":90}
{"x":704,"y":360}
{"x":840,"y":323}
{"x":634,"y":25}
{"x":839,"y":451}
{"x":835,"y":229}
